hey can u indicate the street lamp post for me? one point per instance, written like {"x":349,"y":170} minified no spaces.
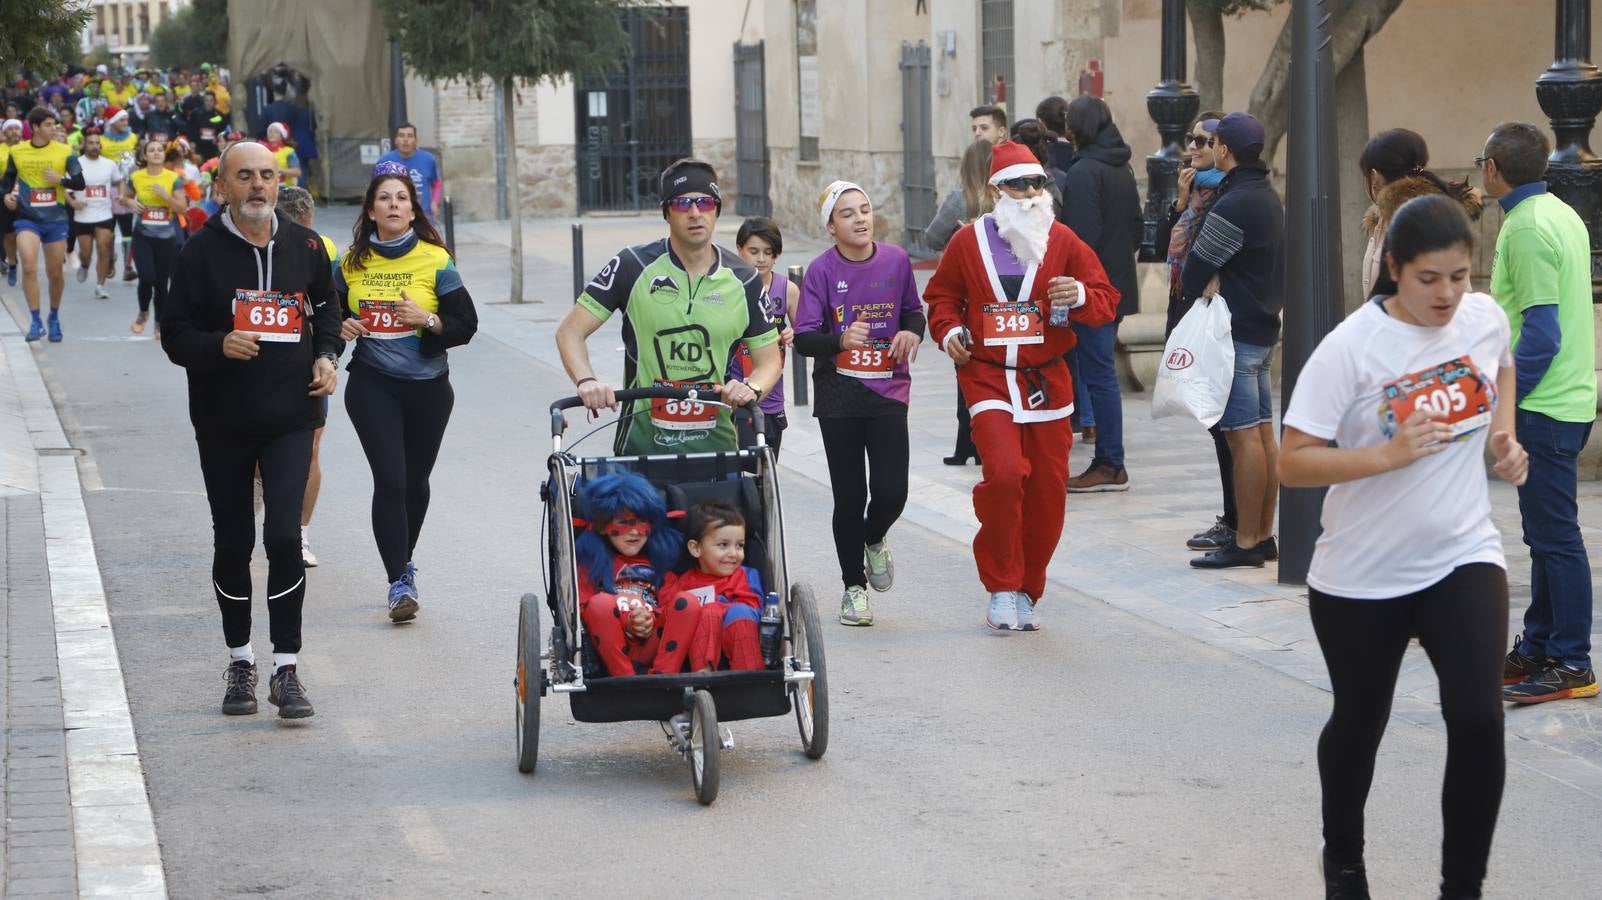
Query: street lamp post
{"x":1172,"y":104}
{"x":1570,"y":93}
{"x":1313,"y":250}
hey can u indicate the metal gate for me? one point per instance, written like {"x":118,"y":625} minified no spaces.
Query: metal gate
{"x":917,"y":144}
{"x":750,"y":132}
{"x":633,"y":122}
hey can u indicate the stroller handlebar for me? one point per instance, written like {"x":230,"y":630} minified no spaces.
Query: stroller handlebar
{"x":630,"y":395}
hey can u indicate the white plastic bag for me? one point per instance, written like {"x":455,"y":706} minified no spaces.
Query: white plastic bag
{"x":1198,"y":365}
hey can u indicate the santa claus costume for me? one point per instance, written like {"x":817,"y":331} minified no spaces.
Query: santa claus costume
{"x":991,"y":307}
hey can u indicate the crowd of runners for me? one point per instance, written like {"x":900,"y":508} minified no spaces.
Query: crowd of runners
{"x":1414,"y":388}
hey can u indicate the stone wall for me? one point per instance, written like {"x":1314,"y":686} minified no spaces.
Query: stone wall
{"x":466,"y":141}
{"x":720,"y":153}
{"x":795,"y":186}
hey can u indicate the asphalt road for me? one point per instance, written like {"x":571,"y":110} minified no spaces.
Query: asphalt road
{"x":1102,"y":757}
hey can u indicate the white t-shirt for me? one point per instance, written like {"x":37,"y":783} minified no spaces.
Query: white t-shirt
{"x":100,"y":179}
{"x":1393,"y":534}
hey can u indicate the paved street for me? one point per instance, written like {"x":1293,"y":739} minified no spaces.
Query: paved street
{"x":1155,"y":740}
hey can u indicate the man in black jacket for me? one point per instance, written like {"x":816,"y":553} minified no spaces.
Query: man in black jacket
{"x":1102,"y":206}
{"x":253,"y":318}
{"x":1238,"y":254}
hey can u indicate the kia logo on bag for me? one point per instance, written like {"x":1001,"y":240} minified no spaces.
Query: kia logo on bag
{"x":1179,"y":359}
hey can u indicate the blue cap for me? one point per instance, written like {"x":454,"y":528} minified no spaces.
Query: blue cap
{"x":1240,"y":131}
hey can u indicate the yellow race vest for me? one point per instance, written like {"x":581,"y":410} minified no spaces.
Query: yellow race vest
{"x":380,"y":280}
{"x":31,"y":163}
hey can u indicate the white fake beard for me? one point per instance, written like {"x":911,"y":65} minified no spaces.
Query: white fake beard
{"x":1025,"y":225}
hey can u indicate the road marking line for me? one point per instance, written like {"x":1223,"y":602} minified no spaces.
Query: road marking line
{"x":417,"y":826}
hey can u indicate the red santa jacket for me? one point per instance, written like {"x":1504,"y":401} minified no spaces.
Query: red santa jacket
{"x":1027,"y":380}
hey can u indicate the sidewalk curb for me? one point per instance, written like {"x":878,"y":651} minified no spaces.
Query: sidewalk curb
{"x":113,"y":827}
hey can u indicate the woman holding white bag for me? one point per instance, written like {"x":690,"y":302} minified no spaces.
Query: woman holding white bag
{"x":1410,"y":387}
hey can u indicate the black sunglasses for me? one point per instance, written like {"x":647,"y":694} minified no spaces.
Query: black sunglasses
{"x":1197,"y":140}
{"x":1025,"y":183}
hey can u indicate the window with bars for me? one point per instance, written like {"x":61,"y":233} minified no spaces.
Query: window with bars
{"x":995,"y":48}
{"x":806,"y":57}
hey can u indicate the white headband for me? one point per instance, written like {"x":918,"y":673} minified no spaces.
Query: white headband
{"x":11,"y":123}
{"x":1017,"y":170}
{"x":831,"y":196}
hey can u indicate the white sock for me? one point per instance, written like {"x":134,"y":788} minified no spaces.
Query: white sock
{"x":282,"y":659}
{"x":246,"y":653}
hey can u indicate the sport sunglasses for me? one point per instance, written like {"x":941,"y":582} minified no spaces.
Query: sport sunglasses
{"x":683,"y":204}
{"x":1025,"y":183}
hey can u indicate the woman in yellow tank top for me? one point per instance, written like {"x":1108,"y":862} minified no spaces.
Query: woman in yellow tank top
{"x":156,"y":196}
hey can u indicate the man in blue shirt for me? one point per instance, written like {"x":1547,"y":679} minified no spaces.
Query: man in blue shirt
{"x":422,"y":165}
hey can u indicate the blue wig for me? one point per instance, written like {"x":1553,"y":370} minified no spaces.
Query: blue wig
{"x":599,"y":501}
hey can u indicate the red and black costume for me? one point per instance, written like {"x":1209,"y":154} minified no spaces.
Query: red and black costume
{"x":1017,"y":387}
{"x":707,"y":618}
{"x":606,"y":616}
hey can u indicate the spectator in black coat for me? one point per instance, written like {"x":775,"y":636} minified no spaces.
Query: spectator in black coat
{"x":1102,"y":206}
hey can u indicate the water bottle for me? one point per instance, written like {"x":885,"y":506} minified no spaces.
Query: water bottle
{"x":768,"y":629}
{"x":1059,"y":314}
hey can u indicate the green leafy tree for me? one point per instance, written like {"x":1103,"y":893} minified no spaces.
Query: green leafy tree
{"x":195,"y":34}
{"x":508,"y":43}
{"x":41,"y":35}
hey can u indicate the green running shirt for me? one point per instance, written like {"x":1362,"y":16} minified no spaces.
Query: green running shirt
{"x":678,"y":332}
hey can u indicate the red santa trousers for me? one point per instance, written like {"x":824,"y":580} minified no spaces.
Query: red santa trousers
{"x":1021,"y":500}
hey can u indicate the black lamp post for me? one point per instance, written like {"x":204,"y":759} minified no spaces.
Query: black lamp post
{"x":1172,"y":104}
{"x":1312,"y":250}
{"x":1570,"y":93}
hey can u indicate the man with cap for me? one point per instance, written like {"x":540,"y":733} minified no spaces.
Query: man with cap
{"x":686,"y":303}
{"x":1238,"y":254}
{"x":1000,"y":304}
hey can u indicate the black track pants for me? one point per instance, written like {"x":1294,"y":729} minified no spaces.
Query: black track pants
{"x":154,"y":258}
{"x":228,"y":462}
{"x":868,"y":461}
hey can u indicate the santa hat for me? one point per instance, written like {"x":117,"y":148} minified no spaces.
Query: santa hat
{"x":114,"y":114}
{"x":280,"y":127}
{"x":1010,"y":160}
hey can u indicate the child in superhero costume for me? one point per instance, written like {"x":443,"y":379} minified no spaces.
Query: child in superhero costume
{"x":624,"y":551}
{"x":713,"y":603}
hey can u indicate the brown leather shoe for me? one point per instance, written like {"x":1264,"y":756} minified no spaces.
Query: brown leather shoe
{"x":1099,"y":478}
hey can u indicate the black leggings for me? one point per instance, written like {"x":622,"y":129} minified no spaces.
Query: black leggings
{"x":228,"y":463}
{"x":1461,"y":621}
{"x":868,"y":456}
{"x":400,"y":423}
{"x":154,"y":258}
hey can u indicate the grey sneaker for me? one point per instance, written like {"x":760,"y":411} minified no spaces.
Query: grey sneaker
{"x":881,"y":568}
{"x":1026,"y":613}
{"x":1003,"y":614}
{"x":239,"y":697}
{"x":854,"y":606}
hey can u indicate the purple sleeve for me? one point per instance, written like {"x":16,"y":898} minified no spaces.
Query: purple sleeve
{"x":814,"y":325}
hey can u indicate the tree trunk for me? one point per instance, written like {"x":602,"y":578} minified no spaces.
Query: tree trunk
{"x":1354,"y":22}
{"x":1351,"y":128}
{"x":512,"y":189}
{"x":1207,"y":24}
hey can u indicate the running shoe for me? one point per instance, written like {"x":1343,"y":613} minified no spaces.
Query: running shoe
{"x":138,"y":326}
{"x":36,"y":329}
{"x":1100,"y":478}
{"x":854,"y":606}
{"x":128,"y":273}
{"x":306,"y":556}
{"x":1518,"y":667}
{"x":55,"y":329}
{"x":1554,"y":682}
{"x":1026,"y":613}
{"x":11,"y":274}
{"x":1003,"y":614}
{"x":101,"y":292}
{"x":83,"y":272}
{"x":403,"y":603}
{"x":881,"y":568}
{"x":1213,"y":538}
{"x":239,"y":697}
{"x":285,"y":691}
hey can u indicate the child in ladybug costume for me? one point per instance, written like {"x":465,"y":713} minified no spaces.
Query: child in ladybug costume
{"x":626,"y":548}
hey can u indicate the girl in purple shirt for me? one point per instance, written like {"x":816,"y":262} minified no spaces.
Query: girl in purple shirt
{"x":860,"y":318}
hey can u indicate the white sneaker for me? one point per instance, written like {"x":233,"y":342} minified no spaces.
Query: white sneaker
{"x":1026,"y":613}
{"x":100,"y":292}
{"x":1003,"y":614}
{"x":83,"y":274}
{"x":306,"y":556}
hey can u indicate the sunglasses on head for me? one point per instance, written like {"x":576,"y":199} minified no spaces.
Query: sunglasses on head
{"x":683,"y":204}
{"x":1025,"y":183}
{"x":1200,"y":140}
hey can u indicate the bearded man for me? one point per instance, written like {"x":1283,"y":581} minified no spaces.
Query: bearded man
{"x":1001,"y":304}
